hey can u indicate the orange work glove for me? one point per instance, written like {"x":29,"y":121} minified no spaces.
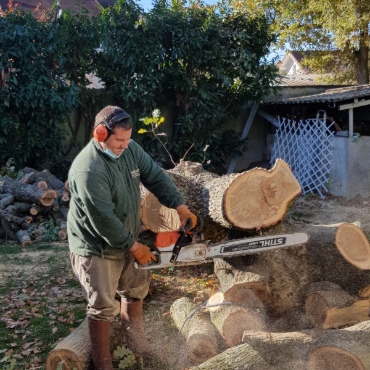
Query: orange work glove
{"x":185,"y":214}
{"x":142,"y":253}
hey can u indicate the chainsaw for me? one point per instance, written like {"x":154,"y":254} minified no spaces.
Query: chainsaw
{"x":170,"y":249}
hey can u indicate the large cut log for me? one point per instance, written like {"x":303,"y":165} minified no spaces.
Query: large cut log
{"x":74,"y":351}
{"x":27,"y":193}
{"x":242,"y":357}
{"x":23,"y":237}
{"x":5,"y":200}
{"x":335,"y":308}
{"x":231,"y":320}
{"x":353,"y":245}
{"x":199,"y":332}
{"x":351,"y":345}
{"x":254,"y":199}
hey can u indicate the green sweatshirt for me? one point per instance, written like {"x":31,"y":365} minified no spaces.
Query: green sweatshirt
{"x":104,"y":212}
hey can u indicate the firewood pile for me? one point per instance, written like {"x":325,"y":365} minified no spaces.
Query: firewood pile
{"x":34,"y":207}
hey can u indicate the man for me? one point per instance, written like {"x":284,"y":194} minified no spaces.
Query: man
{"x":103,"y":226}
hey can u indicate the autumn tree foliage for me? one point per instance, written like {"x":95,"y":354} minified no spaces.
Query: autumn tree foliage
{"x":336,"y":31}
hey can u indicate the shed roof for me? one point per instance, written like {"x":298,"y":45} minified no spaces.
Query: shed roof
{"x":330,"y":95}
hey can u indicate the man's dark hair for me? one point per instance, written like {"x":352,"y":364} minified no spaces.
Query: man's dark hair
{"x":109,"y":112}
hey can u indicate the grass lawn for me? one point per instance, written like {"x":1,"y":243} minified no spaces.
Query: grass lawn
{"x":41,"y":303}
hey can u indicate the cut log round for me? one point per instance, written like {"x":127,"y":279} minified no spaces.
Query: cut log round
{"x":353,"y":245}
{"x":260,"y":198}
{"x":328,"y":358}
{"x":214,"y":301}
{"x":199,"y":332}
{"x":232,"y":321}
{"x":157,"y":217}
{"x":5,"y":200}
{"x":241,"y":282}
{"x":42,"y":185}
{"x":23,"y":237}
{"x":282,"y":348}
{"x":27,"y":193}
{"x":62,"y":233}
{"x":74,"y":350}
{"x":242,"y":357}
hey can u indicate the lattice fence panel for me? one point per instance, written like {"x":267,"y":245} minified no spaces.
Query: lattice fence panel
{"x":307,"y":146}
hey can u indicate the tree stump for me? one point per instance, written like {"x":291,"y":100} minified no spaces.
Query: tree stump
{"x":199,"y":332}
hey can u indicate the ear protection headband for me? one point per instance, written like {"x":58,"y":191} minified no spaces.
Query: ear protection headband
{"x":103,"y":130}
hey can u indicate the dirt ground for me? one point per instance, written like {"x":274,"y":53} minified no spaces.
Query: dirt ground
{"x":41,"y":301}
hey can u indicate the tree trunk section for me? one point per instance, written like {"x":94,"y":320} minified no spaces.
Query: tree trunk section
{"x":242,"y":282}
{"x":74,"y":350}
{"x":28,"y":193}
{"x":248,"y":200}
{"x":242,"y":357}
{"x":351,"y":344}
{"x":353,"y":245}
{"x":231,"y":322}
{"x":361,"y":59}
{"x":23,"y":237}
{"x":199,"y":332}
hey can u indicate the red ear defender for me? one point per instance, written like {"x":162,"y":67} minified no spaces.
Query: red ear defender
{"x":101,"y":133}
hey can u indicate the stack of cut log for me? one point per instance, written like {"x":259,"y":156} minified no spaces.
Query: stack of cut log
{"x":33,"y":208}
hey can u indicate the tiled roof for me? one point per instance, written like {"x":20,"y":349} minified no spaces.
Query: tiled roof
{"x":330,"y":95}
{"x":30,"y":5}
{"x":300,"y":80}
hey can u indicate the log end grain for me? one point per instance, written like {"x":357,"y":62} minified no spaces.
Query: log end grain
{"x":158,"y":218}
{"x":71,"y":360}
{"x":47,"y":198}
{"x":200,"y":348}
{"x":330,"y":358}
{"x":353,"y":245}
{"x":260,"y":198}
{"x":316,"y":309}
{"x":214,"y":301}
{"x":236,"y":324}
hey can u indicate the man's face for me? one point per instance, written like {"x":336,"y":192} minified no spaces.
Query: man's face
{"x":118,"y":141}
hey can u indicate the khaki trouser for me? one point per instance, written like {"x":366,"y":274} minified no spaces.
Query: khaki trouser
{"x":101,"y":279}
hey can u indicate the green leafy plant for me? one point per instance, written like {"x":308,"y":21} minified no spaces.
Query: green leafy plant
{"x":155,"y":137}
{"x":127,"y":357}
{"x":204,"y":61}
{"x":35,"y":97}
